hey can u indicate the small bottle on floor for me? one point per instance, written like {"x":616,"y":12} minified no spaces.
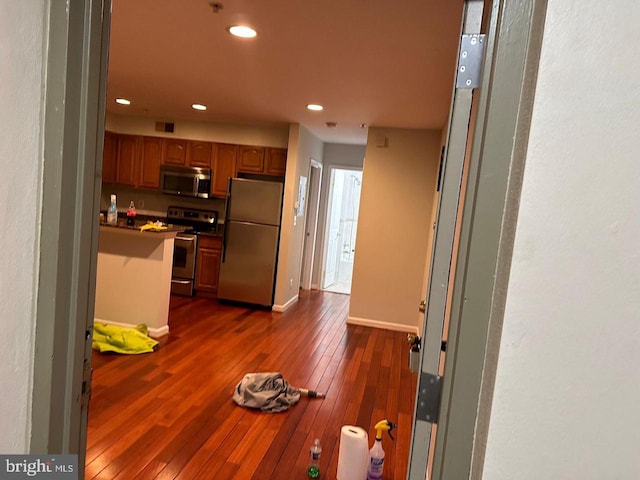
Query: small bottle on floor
{"x":314,"y":459}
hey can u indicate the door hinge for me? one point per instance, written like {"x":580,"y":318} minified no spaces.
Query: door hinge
{"x":470,"y":61}
{"x":87,"y":373}
{"x":429,"y":396}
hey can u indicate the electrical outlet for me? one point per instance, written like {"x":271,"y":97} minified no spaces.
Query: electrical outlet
{"x":291,"y":282}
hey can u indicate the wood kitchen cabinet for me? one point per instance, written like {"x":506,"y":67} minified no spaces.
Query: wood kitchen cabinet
{"x":135,"y":160}
{"x":224,"y":167}
{"x":262,"y":160}
{"x":127,"y":164}
{"x":174,"y":152}
{"x":208,"y":265}
{"x":275,"y":161}
{"x":250,"y":159}
{"x":110,"y":157}
{"x":199,"y":153}
{"x":150,"y":158}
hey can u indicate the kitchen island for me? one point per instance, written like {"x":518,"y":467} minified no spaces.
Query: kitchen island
{"x":133,"y":280}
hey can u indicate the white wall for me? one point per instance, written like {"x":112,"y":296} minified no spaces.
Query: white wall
{"x":303,"y":146}
{"x":335,"y":155}
{"x":567,"y":397}
{"x":22,"y":30}
{"x":394,"y":227}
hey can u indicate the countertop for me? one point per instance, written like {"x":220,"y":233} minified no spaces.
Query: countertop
{"x":144,"y":219}
{"x":136,"y":227}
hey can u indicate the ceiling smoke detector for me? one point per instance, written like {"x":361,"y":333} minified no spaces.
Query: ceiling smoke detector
{"x":216,"y":6}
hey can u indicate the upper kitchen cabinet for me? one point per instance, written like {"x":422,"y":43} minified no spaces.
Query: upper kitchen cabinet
{"x":110,"y":157}
{"x":199,"y":154}
{"x":250,"y":159}
{"x":174,"y":152}
{"x":127,"y":164}
{"x":150,"y":159}
{"x":224,"y":167}
{"x":275,"y":162}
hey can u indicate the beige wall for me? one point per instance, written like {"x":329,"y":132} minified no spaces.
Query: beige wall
{"x":394,"y":227}
{"x":208,"y":131}
{"x":303,"y":146}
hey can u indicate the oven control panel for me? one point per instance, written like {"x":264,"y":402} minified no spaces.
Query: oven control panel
{"x":198,"y":219}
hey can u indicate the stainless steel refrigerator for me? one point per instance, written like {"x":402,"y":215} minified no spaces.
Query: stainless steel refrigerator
{"x":250,"y":242}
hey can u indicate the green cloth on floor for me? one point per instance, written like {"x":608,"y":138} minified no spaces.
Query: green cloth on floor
{"x":112,"y":338}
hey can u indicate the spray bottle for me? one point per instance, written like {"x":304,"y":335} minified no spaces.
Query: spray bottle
{"x":376,"y":454}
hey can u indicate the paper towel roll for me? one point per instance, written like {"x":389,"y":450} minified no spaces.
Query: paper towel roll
{"x":353,"y":454}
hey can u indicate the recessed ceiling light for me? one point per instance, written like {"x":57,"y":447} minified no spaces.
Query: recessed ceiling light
{"x":315,"y":107}
{"x":123,"y":101}
{"x":242,"y":31}
{"x":198,"y":106}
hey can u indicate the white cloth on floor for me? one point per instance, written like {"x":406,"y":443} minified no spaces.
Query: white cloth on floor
{"x":269,"y":392}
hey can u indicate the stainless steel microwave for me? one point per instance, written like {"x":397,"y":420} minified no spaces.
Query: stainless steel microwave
{"x":187,"y":181}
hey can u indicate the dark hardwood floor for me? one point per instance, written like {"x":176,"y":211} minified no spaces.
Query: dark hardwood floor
{"x":169,"y":414}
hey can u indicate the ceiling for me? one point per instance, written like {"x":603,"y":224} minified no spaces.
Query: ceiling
{"x":373,"y":62}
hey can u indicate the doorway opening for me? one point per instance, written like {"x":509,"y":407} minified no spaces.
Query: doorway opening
{"x":311,"y":226}
{"x":342,"y":221}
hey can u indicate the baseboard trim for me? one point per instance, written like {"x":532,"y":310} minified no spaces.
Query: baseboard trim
{"x":152,"y":332}
{"x":397,"y":327}
{"x":288,"y":304}
{"x":314,"y":286}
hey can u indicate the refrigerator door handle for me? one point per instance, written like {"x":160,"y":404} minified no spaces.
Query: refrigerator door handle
{"x":226,"y":220}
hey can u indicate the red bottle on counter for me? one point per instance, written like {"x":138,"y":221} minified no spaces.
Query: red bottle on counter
{"x":131,"y":214}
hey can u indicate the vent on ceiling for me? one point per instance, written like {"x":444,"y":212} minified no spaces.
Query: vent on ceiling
{"x":164,"y":127}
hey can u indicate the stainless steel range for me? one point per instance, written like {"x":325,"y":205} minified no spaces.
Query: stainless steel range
{"x":185,"y":251}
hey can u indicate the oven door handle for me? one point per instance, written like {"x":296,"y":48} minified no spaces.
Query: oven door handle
{"x":185,"y":238}
{"x":186,"y":242}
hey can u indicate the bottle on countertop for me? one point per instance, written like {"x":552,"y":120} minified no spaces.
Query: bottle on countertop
{"x":314,"y":459}
{"x":131,"y":214}
{"x":112,"y":212}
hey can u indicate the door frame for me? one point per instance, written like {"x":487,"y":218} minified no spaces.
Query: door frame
{"x":74,"y":117}
{"x":311,"y":224}
{"x":487,"y":233}
{"x":74,"y":126}
{"x":325,"y":233}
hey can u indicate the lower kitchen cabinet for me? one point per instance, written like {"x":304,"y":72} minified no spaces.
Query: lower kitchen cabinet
{"x":208,"y":265}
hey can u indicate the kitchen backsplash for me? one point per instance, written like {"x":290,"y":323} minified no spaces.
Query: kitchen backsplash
{"x":154,"y":203}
